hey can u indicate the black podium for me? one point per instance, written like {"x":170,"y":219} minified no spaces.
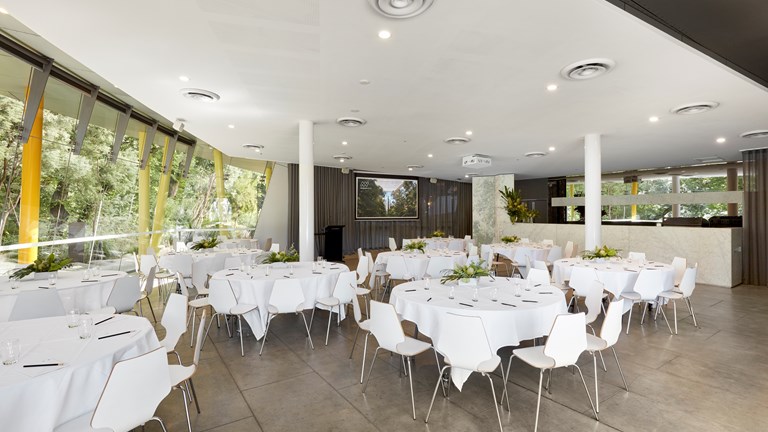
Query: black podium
{"x":334,"y":242}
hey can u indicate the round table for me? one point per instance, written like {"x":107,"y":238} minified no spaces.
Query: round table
{"x":617,"y":275}
{"x":507,"y":321}
{"x":75,"y":291}
{"x":254,"y":287}
{"x":417,"y":262}
{"x":41,"y":398}
{"x":517,"y":251}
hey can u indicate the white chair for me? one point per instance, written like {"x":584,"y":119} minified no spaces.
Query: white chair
{"x":397,"y":271}
{"x":538,"y":276}
{"x":463,"y":342}
{"x":568,"y":251}
{"x":362,"y":274}
{"x":364,"y":326}
{"x":200,"y":271}
{"x":438,"y":264}
{"x":609,"y":335}
{"x":555,"y":253}
{"x":125,"y":293}
{"x":146,"y":291}
{"x":566,"y":341}
{"x":232,"y":263}
{"x":593,"y":300}
{"x":473,"y":251}
{"x":687,"y":284}
{"x":286,"y":297}
{"x":268,"y":244}
{"x":456,"y":245}
{"x":146,"y":262}
{"x":360,"y":253}
{"x":275,"y":247}
{"x":378,"y":273}
{"x":174,"y":322}
{"x":581,"y":279}
{"x":649,"y":284}
{"x":637,"y":256}
{"x":180,"y":263}
{"x":134,"y":390}
{"x":386,"y":328}
{"x":679,"y":264}
{"x":193,"y":305}
{"x":547,"y":242}
{"x":181,"y":376}
{"x":40,"y":303}
{"x":343,"y":294}
{"x":392,"y":244}
{"x":222,"y":299}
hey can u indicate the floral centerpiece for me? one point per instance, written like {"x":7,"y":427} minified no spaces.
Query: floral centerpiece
{"x":42,"y":265}
{"x":207,"y":243}
{"x":415,"y":245}
{"x":513,"y":205}
{"x":510,"y":239}
{"x":438,"y":233}
{"x":465,"y":273}
{"x":600,"y":252}
{"x":282,"y":257}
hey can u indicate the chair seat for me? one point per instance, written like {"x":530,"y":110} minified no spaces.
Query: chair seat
{"x":274,"y":311}
{"x":242,"y":308}
{"x":180,"y":373}
{"x":486,"y":366}
{"x":365,"y":325}
{"x":411,"y":347}
{"x":80,"y":424}
{"x":535,"y":357}
{"x":198,"y":303}
{"x":202,"y":291}
{"x":380,"y":273}
{"x":165,"y":275}
{"x":362,"y":291}
{"x":328,"y":301}
{"x":595,"y":343}
{"x":632,"y":296}
{"x":672,"y":295}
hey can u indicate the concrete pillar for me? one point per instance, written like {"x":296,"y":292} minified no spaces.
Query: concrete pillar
{"x":733,"y":185}
{"x":306,"y":191}
{"x":675,"y":189}
{"x":592,"y":192}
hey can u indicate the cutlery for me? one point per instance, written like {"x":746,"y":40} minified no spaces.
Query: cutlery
{"x":104,"y":320}
{"x":507,"y":304}
{"x":464,"y":304}
{"x":44,"y":364}
{"x":116,"y":334}
{"x":530,"y":301}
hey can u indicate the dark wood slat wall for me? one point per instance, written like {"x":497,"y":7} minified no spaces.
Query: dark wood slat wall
{"x":445,"y":205}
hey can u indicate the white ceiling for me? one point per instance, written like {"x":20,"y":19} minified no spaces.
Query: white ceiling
{"x":480,"y":66}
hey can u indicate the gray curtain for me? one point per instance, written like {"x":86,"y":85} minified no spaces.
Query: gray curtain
{"x":755,"y":240}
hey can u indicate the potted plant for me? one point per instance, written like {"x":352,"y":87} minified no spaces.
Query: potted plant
{"x":513,"y":205}
{"x":438,"y":234}
{"x":415,"y":245}
{"x":282,"y":257}
{"x":466,"y":274}
{"x":600,"y":253}
{"x":510,"y":239}
{"x":42,"y":267}
{"x":206,"y":243}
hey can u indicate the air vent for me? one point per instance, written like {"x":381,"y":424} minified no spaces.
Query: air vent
{"x":350,"y":121}
{"x":587,"y":69}
{"x":763,"y":133}
{"x":710,"y":159}
{"x":257,"y":147}
{"x":199,"y":95}
{"x":413,"y":167}
{"x":535,"y":154}
{"x":694,"y":108}
{"x":456,"y":140}
{"x":401,"y":8}
{"x":342,"y":158}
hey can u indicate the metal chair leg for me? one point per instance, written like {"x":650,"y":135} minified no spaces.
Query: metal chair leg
{"x":495,"y":405}
{"x":626,"y":387}
{"x":587,"y":390}
{"x":667,"y":321}
{"x":240,"y":327}
{"x":597,"y":396}
{"x":354,"y":342}
{"x":307,"y":327}
{"x":690,"y":306}
{"x":370,"y":371}
{"x":365,"y":354}
{"x":266,"y":332}
{"x":410,"y":383}
{"x":328,"y":330}
{"x":439,"y":382}
{"x":629,"y":319}
{"x":538,"y":402}
{"x":194,"y":395}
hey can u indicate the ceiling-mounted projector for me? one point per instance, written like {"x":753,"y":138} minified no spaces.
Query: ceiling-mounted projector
{"x":476,"y":161}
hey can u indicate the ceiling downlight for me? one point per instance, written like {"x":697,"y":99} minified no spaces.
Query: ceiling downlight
{"x":401,"y":9}
{"x":199,"y":95}
{"x":350,"y":121}
{"x":587,"y":69}
{"x":694,"y":108}
{"x":761,"y":133}
{"x":457,"y":140}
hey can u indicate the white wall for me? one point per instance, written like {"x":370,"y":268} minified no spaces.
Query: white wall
{"x":273,"y":221}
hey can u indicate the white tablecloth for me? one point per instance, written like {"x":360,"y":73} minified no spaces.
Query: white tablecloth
{"x":417,"y":263}
{"x":440,"y":243}
{"x":617,"y":276}
{"x":516,"y":251}
{"x":39,"y":399}
{"x":75,"y":293}
{"x":254,"y":287}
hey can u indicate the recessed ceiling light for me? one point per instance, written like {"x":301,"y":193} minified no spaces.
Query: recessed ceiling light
{"x":468,"y":133}
{"x":3,"y":11}
{"x":720,"y":140}
{"x":551,"y":149}
{"x":199,"y":94}
{"x":653,"y":119}
{"x":694,"y":108}
{"x":401,"y":8}
{"x":184,"y":78}
{"x":587,"y":69}
{"x":350,"y":121}
{"x":552,"y":87}
{"x":364,"y":82}
{"x":344,"y":143}
{"x":429,"y":155}
{"x":231,"y":126}
{"x":410,"y":168}
{"x":385,"y":34}
{"x":466,"y":175}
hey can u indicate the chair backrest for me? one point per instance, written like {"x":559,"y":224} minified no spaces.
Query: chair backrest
{"x":232,"y":262}
{"x":611,"y":328}
{"x":547,"y":242}
{"x":286,"y":295}
{"x":362,"y":269}
{"x":593,"y":300}
{"x":679,"y":264}
{"x":178,"y":263}
{"x":146,"y":262}
{"x":473,"y":250}
{"x":275,"y":247}
{"x":540,"y":265}
{"x":344,"y":290}
{"x":392,"y":244}
{"x":149,"y":281}
{"x":200,"y":270}
{"x":151,"y":251}
{"x":581,"y":279}
{"x":463,"y":339}
{"x":555,"y":253}
{"x":125,"y":293}
{"x":568,"y":252}
{"x":221,"y":296}
{"x":396,"y":268}
{"x":567,"y":339}
{"x":637,"y":256}
{"x":268,"y":244}
{"x":438,"y":264}
{"x":649,"y":284}
{"x":174,"y":319}
{"x":456,"y":245}
{"x":182,"y":285}
{"x":536,"y":276}
{"x":371,"y":263}
{"x":688,"y":281}
{"x":356,"y":309}
{"x":218,"y":261}
{"x":40,"y":303}
{"x":360,"y":252}
{"x":134,"y":389}
{"x":199,"y":339}
{"x":385,"y":326}
{"x":474,"y":259}
{"x":136,"y":266}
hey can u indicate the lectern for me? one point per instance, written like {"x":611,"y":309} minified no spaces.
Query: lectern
{"x":334,"y":242}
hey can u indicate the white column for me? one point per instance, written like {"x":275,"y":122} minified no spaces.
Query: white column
{"x":306,"y":191}
{"x":675,"y":189}
{"x":592,"y":191}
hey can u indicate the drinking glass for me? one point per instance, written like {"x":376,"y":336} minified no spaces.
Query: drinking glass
{"x":9,"y":351}
{"x":426,"y":283}
{"x":52,"y":280}
{"x":475,"y":295}
{"x":87,"y":275}
{"x":450,"y":294}
{"x":290,"y":269}
{"x":85,"y":329}
{"x":527,"y":284}
{"x":495,"y":294}
{"x":15,"y":283}
{"x":267,"y":269}
{"x":319,"y":259}
{"x":518,"y":289}
{"x":73,"y":318}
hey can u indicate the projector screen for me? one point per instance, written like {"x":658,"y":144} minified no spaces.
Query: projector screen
{"x":386,"y":197}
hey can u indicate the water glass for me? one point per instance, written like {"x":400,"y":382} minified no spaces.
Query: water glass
{"x":495,"y":294}
{"x":426,"y":283}
{"x":492,"y":274}
{"x":52,"y":280}
{"x":475,"y":295}
{"x":10,"y":351}
{"x":290,"y":269}
{"x":518,"y":289}
{"x":73,"y":318}
{"x":15,"y":283}
{"x":527,"y":284}
{"x":85,"y":329}
{"x":87,"y":275}
{"x":450,"y":294}
{"x":267,"y":269}
{"x":319,"y":259}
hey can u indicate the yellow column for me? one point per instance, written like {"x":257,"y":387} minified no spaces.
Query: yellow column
{"x":143,"y":197}
{"x":29,"y":205}
{"x":268,"y":173}
{"x":634,"y":206}
{"x":218,"y":167}
{"x":162,"y":197}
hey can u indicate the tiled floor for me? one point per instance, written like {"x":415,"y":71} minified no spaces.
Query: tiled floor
{"x":710,"y":379}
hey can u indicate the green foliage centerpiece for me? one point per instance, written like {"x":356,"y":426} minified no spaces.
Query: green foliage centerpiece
{"x":438,"y":233}
{"x":416,"y":245}
{"x":208,"y":243}
{"x":42,"y":265}
{"x":282,"y":257}
{"x":513,"y":205}
{"x":600,"y":252}
{"x":510,"y":239}
{"x":465,"y":273}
